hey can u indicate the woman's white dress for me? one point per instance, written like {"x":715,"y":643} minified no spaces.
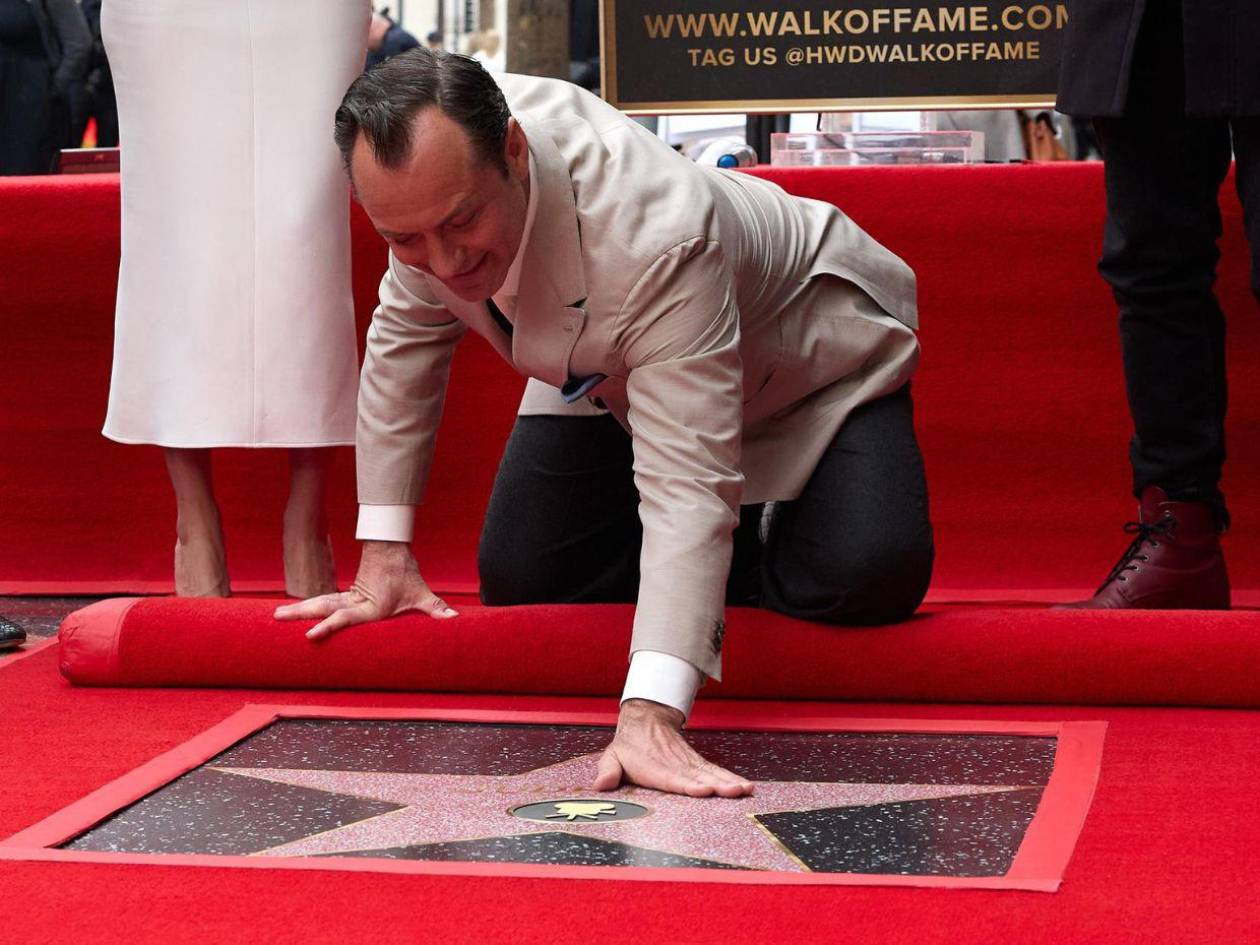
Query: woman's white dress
{"x":235,"y":324}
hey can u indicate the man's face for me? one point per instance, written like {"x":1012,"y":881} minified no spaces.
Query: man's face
{"x":444,"y":210}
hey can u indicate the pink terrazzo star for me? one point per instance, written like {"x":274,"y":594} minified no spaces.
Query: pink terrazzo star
{"x":444,"y":808}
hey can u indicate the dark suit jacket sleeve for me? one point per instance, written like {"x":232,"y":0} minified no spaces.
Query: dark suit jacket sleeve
{"x":679,"y":329}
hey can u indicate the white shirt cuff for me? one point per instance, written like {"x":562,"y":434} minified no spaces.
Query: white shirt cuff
{"x":386,"y":523}
{"x":662,"y":677}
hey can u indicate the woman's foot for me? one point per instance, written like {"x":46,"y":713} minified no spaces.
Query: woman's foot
{"x":308,"y":558}
{"x":308,"y":566}
{"x":200,"y":560}
{"x":201,"y":564}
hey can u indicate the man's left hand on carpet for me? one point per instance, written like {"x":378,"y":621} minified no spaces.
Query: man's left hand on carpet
{"x":649,"y":750}
{"x":388,"y":583}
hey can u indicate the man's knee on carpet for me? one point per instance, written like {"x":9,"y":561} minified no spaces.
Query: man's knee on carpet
{"x":562,"y":525}
{"x":883,"y":581}
{"x":513,"y":570}
{"x":507,"y":581}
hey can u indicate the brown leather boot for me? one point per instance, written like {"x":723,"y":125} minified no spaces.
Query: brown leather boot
{"x":1174,"y":563}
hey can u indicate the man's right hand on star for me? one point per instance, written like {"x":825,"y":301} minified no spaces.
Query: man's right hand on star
{"x":388,"y":583}
{"x":649,"y":750}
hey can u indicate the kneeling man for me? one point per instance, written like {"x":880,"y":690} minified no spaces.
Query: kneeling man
{"x":718,"y":407}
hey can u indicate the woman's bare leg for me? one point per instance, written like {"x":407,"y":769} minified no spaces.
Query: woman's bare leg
{"x":200,"y":559}
{"x":308,"y":560}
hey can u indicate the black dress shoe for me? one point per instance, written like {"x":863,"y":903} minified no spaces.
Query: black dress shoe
{"x":11,"y":635}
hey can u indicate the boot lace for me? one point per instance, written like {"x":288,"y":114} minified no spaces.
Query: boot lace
{"x":1143,"y":534}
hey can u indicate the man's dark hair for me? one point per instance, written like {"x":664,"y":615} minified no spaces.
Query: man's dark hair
{"x":382,"y":104}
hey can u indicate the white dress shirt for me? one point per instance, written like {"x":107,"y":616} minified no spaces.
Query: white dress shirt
{"x":658,"y":677}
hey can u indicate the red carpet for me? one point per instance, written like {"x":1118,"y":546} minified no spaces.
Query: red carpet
{"x":1020,"y":402}
{"x":1168,"y":855}
{"x":960,"y":654}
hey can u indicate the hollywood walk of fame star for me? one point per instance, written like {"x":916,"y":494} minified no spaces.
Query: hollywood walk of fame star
{"x":444,"y":808}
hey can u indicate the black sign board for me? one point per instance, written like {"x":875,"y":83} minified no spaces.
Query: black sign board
{"x":673,"y":56}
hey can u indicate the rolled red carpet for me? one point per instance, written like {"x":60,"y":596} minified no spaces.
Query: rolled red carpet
{"x":958,"y":654}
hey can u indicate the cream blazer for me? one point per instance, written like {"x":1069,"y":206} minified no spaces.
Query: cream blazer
{"x":737,"y":325}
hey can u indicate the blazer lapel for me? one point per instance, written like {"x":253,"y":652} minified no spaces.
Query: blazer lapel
{"x":549,"y":315}
{"x":476,"y":316}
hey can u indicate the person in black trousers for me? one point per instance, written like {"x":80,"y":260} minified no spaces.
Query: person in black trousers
{"x":563,"y":523}
{"x":1170,"y":99}
{"x":45,"y":47}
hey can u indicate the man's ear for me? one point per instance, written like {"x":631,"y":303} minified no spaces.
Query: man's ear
{"x":516,"y":150}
